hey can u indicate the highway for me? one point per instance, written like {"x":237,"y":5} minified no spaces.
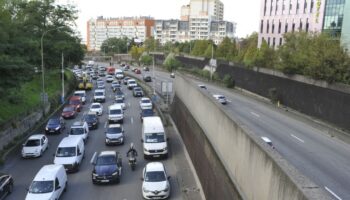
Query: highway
{"x":80,"y":185}
{"x":304,"y":144}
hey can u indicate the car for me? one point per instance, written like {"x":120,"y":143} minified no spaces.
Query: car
{"x":6,"y":185}
{"x":96,"y":108}
{"x":131,"y":84}
{"x":172,"y":75}
{"x":109,"y":79}
{"x":114,"y":134}
{"x":79,"y":129}
{"x":119,"y":94}
{"x":81,"y":94}
{"x":102,"y":73}
{"x":107,"y":167}
{"x":35,"y":146}
{"x":116,"y":86}
{"x":121,"y":102}
{"x":91,"y":119}
{"x":202,"y":86}
{"x":100,"y":95}
{"x":146,"y":113}
{"x":100,"y":85}
{"x":49,"y":183}
{"x":70,"y":153}
{"x":69,"y":112}
{"x":137,"y":92}
{"x":268,"y":141}
{"x":55,"y":125}
{"x":137,"y":71}
{"x":146,"y":103}
{"x":125,"y":80}
{"x":119,"y":74}
{"x":94,"y":76}
{"x":147,"y":78}
{"x":220,"y":98}
{"x":146,"y":69}
{"x":115,"y":114}
{"x":155,"y":181}
{"x":76,"y":101}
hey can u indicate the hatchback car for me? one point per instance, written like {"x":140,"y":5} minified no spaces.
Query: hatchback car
{"x":6,"y":185}
{"x":116,"y":86}
{"x":92,"y":120}
{"x":147,"y":78}
{"x":146,"y":113}
{"x":120,"y":101}
{"x":146,"y":103}
{"x":109,"y":79}
{"x":125,"y":80}
{"x":220,"y":98}
{"x":119,"y":94}
{"x":107,"y":167}
{"x":137,"y":92}
{"x":77,"y":102}
{"x":96,"y":108}
{"x":55,"y":125}
{"x":155,"y":181}
{"x":114,"y":134}
{"x":69,"y":112}
{"x":35,"y":146}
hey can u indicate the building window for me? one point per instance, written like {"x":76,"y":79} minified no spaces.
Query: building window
{"x":273,"y":27}
{"x":268,"y":41}
{"x":305,"y":6}
{"x":311,"y":6}
{"x":279,"y":27}
{"x":280,"y":41}
{"x":265,"y":8}
{"x":300,"y":25}
{"x":307,"y":26}
{"x":273,"y":42}
{"x":297,"y":11}
{"x":286,"y":27}
{"x":293,"y":27}
{"x":267,"y":27}
{"x":261,"y":26}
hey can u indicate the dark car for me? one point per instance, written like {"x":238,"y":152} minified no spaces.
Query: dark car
{"x":92,"y":120}
{"x":55,"y":125}
{"x":107,"y":167}
{"x":146,"y":69}
{"x":119,"y":95}
{"x":77,"y":102}
{"x":6,"y":185}
{"x":125,"y":80}
{"x":137,"y":92}
{"x":147,"y":78}
{"x":116,"y":86}
{"x":146,"y":113}
{"x":137,"y":71}
{"x":69,"y":112}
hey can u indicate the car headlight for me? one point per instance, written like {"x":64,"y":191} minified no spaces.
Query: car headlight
{"x":46,"y":128}
{"x":145,"y":149}
{"x":145,"y":190}
{"x":115,"y":173}
{"x":57,"y":128}
{"x":166,"y":188}
{"x":94,"y":175}
{"x":165,"y":149}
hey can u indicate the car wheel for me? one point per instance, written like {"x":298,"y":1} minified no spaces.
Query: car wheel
{"x":65,"y":187}
{"x":145,"y":157}
{"x":10,"y":188}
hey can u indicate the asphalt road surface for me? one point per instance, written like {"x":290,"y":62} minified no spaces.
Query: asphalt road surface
{"x":80,"y":185}
{"x":305,"y":144}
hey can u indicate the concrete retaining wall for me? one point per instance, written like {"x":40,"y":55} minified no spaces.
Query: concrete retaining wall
{"x":256,"y":170}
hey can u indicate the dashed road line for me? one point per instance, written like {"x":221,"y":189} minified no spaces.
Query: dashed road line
{"x":105,"y":124}
{"x":253,"y":113}
{"x":334,"y":194}
{"x":297,"y":138}
{"x":132,"y":120}
{"x":129,"y":105}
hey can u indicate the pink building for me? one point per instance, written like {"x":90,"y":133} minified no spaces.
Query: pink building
{"x":281,"y":16}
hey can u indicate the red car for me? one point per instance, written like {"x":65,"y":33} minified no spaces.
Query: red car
{"x":137,"y":71}
{"x":69,"y":111}
{"x":77,"y":102}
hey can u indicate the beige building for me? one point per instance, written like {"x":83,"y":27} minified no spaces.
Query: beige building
{"x":197,"y":8}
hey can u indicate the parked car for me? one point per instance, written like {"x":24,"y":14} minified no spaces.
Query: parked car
{"x":69,"y":112}
{"x":146,"y":103}
{"x":6,"y":185}
{"x":55,"y":125}
{"x":115,"y":134}
{"x":92,"y":120}
{"x":137,"y":92}
{"x":96,"y":108}
{"x":202,"y":86}
{"x":146,"y":113}
{"x":107,"y":167}
{"x":49,"y":183}
{"x":220,"y":98}
{"x":35,"y":146}
{"x":155,"y":183}
{"x":76,"y":101}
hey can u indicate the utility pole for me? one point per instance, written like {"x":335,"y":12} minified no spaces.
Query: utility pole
{"x":62,"y":98}
{"x":211,"y":64}
{"x":154,"y":79}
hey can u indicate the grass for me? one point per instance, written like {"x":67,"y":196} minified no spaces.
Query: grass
{"x":25,"y":99}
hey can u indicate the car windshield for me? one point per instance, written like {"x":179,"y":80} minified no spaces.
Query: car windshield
{"x":147,"y":112}
{"x":132,"y":82}
{"x":53,"y":122}
{"x":106,"y":160}
{"x":154,"y":137}
{"x":76,"y":131}
{"x":119,"y":93}
{"x":98,"y":93}
{"x":90,"y":117}
{"x":114,"y":130}
{"x":95,"y":106}
{"x":74,"y":102}
{"x":221,"y":97}
{"x":32,"y":143}
{"x":156,"y":176}
{"x":79,"y":94}
{"x":68,"y":109}
{"x":65,"y":152}
{"x":40,"y":187}
{"x":119,"y":101}
{"x":115,"y":112}
{"x":137,"y":89}
{"x":146,"y":101}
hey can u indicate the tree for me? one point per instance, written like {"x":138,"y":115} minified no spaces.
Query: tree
{"x":115,"y":45}
{"x":146,"y":60}
{"x":199,"y":48}
{"x":150,"y":44}
{"x":136,"y":53}
{"x":170,"y":63}
{"x":209,"y":52}
{"x":266,"y":56}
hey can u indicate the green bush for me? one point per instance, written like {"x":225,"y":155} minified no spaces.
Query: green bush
{"x":228,"y":81}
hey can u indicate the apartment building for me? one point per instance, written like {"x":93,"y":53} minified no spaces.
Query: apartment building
{"x":100,"y":29}
{"x":281,"y":16}
{"x":212,"y":8}
{"x":171,"y":31}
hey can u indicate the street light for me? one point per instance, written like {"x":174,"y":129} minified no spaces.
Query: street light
{"x":44,"y":95}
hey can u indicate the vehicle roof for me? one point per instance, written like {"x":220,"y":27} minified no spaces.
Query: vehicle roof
{"x":70,"y":141}
{"x":105,"y":153}
{"x":131,"y":79}
{"x":155,"y":166}
{"x":69,"y":105}
{"x":78,"y":123}
{"x":114,"y":126}
{"x":96,"y":104}
{"x":218,"y":95}
{"x":47,"y":172}
{"x":75,"y":97}
{"x":266,"y":139}
{"x":91,"y":113}
{"x":36,"y":136}
{"x":145,"y":98}
{"x":152,"y":124}
{"x":115,"y":106}
{"x":80,"y":91}
{"x":99,"y":90}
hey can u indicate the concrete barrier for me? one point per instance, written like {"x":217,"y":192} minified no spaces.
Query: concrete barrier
{"x":258,"y":172}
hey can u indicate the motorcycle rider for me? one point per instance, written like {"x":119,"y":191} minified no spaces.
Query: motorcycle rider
{"x":133,"y":152}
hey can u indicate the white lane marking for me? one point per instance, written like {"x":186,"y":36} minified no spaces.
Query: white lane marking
{"x":253,"y":113}
{"x":105,"y":124}
{"x":129,"y":105}
{"x":132,"y":120}
{"x":110,"y":96}
{"x":297,"y":138}
{"x":334,"y":194}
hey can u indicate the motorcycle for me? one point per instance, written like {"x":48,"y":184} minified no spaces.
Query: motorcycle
{"x":132,"y":162}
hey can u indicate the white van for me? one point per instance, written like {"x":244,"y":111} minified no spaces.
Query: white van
{"x":100,"y":95}
{"x":70,"y":153}
{"x":79,"y":129}
{"x":82,"y":94}
{"x":115,"y":113}
{"x":119,"y":74}
{"x":154,"y":138}
{"x":131,"y":84}
{"x":49,"y":183}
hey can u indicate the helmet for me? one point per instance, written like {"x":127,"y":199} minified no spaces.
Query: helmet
{"x":131,"y":145}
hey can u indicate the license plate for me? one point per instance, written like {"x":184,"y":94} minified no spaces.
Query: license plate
{"x":104,"y":181}
{"x":156,"y":156}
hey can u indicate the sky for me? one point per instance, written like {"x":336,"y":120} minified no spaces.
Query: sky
{"x":245,"y":13}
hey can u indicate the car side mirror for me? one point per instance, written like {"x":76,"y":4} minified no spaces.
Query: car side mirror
{"x":142,"y":179}
{"x":167,"y":139}
{"x":27,"y":189}
{"x":58,"y":187}
{"x":23,"y":144}
{"x":169,"y":177}
{"x":53,"y":155}
{"x":142,"y":140}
